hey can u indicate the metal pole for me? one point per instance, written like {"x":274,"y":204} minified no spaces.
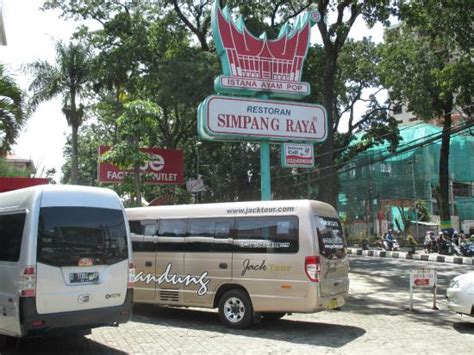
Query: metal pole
{"x":411,"y":290}
{"x":265,"y":178}
{"x":412,"y":164}
{"x":435,"y":289}
{"x":265,"y":172}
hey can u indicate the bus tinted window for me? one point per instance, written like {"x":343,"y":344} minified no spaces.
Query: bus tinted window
{"x":171,"y":233}
{"x":209,"y":234}
{"x":331,"y":239}
{"x":266,"y":234}
{"x":68,"y":234}
{"x":11,"y":233}
{"x":200,"y":236}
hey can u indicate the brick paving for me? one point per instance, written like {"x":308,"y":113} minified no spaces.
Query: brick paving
{"x":375,"y":319}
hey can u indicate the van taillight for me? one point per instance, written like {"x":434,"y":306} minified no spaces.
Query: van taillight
{"x":27,"y":285}
{"x":131,"y":274}
{"x":312,"y":267}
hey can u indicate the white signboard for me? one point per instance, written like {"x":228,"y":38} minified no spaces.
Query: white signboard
{"x":423,"y":278}
{"x":233,"y":118}
{"x":297,"y":155}
{"x":195,"y":185}
{"x":259,"y":85}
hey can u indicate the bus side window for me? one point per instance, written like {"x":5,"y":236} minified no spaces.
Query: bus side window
{"x":223,"y":235}
{"x":171,"y":234}
{"x":200,"y":235}
{"x":267,"y":234}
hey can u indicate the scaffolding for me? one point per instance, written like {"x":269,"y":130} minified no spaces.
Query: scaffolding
{"x":377,"y":186}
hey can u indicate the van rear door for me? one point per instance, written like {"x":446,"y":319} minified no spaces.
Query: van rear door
{"x":334,"y":278}
{"x":82,"y":259}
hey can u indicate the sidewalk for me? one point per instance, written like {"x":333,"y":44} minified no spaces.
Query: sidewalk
{"x":419,"y":255}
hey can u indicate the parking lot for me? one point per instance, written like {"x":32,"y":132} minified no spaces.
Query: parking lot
{"x":375,"y":319}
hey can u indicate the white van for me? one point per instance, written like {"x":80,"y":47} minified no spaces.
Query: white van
{"x":248,"y":259}
{"x":65,"y":260}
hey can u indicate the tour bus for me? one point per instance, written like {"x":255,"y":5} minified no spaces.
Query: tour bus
{"x":65,"y":261}
{"x":248,"y":259}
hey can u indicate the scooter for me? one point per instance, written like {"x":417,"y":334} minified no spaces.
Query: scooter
{"x":391,"y":246}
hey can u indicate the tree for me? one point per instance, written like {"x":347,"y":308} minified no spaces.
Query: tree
{"x":426,"y":63}
{"x":334,"y":38}
{"x":134,"y":126}
{"x":12,"y":110}
{"x":140,"y":45}
{"x":67,"y":78}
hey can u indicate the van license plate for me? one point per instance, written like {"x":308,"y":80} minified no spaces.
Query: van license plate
{"x":81,"y":277}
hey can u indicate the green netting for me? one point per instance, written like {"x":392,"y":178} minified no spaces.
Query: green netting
{"x":376,"y":175}
{"x":465,"y":206}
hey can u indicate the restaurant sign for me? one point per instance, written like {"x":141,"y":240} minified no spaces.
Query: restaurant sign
{"x":223,"y":118}
{"x":297,"y":155}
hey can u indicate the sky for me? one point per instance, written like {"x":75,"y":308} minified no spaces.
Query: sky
{"x":31,"y":35}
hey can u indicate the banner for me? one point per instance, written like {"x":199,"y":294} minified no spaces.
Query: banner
{"x":166,"y":166}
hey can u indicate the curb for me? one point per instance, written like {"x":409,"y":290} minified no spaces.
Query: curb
{"x":405,"y":255}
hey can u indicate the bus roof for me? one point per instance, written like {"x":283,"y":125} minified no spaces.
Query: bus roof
{"x":228,"y":209}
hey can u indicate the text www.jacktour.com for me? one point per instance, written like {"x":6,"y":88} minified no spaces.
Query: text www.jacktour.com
{"x":251,"y":210}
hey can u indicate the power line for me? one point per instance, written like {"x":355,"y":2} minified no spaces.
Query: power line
{"x":410,"y":147}
{"x":373,"y":154}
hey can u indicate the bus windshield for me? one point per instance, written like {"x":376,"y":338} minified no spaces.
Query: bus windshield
{"x":331,"y":239}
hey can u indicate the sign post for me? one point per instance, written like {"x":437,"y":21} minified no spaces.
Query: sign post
{"x":261,"y":70}
{"x":424,"y":278}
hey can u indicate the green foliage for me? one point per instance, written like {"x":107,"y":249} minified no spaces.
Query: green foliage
{"x":12,"y":110}
{"x":7,"y":170}
{"x":67,"y":78}
{"x":427,"y":64}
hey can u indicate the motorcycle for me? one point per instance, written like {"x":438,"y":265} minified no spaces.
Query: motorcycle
{"x":467,"y":249}
{"x":391,"y":245}
{"x":446,"y":247}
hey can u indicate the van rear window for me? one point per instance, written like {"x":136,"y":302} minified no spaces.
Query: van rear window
{"x":331,"y":239}
{"x":67,"y":235}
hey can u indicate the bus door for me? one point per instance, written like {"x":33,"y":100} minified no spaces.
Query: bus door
{"x":170,"y":260}
{"x":208,"y":258}
{"x":144,"y":241}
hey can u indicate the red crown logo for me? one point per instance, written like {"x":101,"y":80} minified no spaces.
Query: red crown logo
{"x":247,"y":57}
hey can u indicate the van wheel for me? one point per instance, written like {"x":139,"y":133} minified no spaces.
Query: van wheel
{"x":235,"y":309}
{"x":273,"y":315}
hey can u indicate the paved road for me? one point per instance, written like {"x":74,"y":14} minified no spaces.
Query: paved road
{"x":375,"y":319}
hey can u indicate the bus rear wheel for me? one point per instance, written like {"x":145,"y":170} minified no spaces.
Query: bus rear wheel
{"x":235,"y":309}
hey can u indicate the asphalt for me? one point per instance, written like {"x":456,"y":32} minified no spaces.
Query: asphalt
{"x":419,"y":255}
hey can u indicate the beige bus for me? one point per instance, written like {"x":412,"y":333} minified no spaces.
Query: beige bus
{"x":248,"y":259}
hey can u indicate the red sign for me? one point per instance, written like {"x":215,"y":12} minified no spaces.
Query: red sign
{"x":166,"y":166}
{"x":253,"y":65}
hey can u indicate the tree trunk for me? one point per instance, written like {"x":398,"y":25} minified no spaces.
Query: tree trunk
{"x":136,"y":184}
{"x":75,"y":155}
{"x":443,"y":191}
{"x":328,"y":181}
